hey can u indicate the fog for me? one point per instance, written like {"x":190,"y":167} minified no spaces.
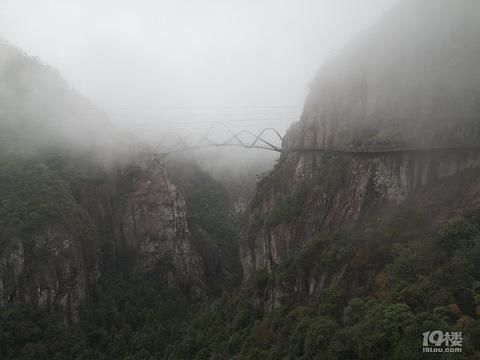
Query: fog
{"x":162,"y":67}
{"x":171,"y":63}
{"x":411,"y":81}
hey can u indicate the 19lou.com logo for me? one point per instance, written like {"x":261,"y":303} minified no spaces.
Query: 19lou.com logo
{"x":439,"y":341}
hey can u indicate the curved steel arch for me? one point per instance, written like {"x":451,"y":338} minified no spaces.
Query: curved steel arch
{"x":234,"y":140}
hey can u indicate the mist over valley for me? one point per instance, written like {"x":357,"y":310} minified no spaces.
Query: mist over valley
{"x":239,"y":180}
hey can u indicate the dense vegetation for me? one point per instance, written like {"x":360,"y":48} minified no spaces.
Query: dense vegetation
{"x":414,"y":280}
{"x":402,"y":278}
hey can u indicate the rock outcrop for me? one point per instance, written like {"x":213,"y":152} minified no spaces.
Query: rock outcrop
{"x":50,"y":249}
{"x":411,"y":82}
{"x":52,"y":270}
{"x":69,"y":231}
{"x":154,"y":225}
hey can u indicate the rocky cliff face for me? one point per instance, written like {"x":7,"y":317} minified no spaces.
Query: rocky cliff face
{"x":49,"y":254}
{"x":52,"y":270}
{"x":331,"y":192}
{"x":409,"y":83}
{"x":154,"y":225}
{"x":59,"y":235}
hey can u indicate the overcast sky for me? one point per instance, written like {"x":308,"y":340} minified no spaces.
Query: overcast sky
{"x":177,"y":60}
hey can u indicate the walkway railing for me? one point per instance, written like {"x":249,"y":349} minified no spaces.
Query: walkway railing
{"x":249,"y":140}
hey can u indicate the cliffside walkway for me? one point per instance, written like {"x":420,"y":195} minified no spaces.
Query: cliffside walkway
{"x":368,"y":149}
{"x":276,"y":142}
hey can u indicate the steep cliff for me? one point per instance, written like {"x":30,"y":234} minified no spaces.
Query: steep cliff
{"x":64,"y":223}
{"x":154,"y":226}
{"x":409,"y":83}
{"x":411,"y":80}
{"x":77,"y":200}
{"x":49,"y":252}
